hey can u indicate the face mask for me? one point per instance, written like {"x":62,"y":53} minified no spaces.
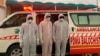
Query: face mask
{"x":48,"y":19}
{"x":61,"y":19}
{"x":29,"y":21}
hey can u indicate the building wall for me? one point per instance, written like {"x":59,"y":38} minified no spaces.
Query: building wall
{"x":2,"y":9}
{"x":2,"y":13}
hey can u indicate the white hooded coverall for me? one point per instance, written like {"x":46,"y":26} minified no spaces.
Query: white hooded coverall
{"x":45,"y":29}
{"x":60,"y":34}
{"x":27,"y":37}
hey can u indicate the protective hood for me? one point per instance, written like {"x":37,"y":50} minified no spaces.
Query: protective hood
{"x":28,"y":16}
{"x":60,"y":15}
{"x":46,"y":14}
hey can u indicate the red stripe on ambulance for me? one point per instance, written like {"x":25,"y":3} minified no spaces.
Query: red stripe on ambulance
{"x":9,"y":37}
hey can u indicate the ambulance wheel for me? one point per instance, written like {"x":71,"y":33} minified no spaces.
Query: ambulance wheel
{"x":14,"y":50}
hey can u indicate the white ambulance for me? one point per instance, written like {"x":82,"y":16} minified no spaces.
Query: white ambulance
{"x":84,"y":30}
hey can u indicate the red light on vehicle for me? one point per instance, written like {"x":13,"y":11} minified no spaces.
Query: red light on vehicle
{"x":27,"y":8}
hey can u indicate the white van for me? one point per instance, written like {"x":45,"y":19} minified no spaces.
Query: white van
{"x":84,"y":30}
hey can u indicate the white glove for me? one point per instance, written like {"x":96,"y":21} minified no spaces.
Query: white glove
{"x":41,"y":41}
{"x":37,"y":41}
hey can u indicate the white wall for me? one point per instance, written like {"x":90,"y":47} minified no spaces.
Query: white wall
{"x":2,"y":13}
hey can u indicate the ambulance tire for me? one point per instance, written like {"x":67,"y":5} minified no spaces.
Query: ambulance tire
{"x":14,"y":50}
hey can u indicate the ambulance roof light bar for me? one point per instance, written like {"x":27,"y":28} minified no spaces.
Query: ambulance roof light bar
{"x":28,"y":8}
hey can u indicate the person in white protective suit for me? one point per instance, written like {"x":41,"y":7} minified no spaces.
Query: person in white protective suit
{"x":60,"y":35}
{"x":28,"y":36}
{"x":45,"y":29}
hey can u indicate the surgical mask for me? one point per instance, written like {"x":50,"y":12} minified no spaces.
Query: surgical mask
{"x":29,"y":21}
{"x":61,"y":19}
{"x":48,"y":19}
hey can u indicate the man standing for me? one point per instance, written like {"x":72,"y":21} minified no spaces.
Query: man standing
{"x":45,"y":29}
{"x":28,"y":36}
{"x":60,"y":34}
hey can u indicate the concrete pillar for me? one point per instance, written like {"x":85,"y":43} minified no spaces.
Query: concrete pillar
{"x":2,"y":9}
{"x":2,"y":13}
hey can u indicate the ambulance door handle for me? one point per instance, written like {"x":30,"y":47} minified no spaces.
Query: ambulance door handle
{"x":72,"y":28}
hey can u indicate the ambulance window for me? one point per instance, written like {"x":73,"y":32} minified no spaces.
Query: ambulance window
{"x":83,"y":20}
{"x":20,"y":20}
{"x":86,"y":19}
{"x":39,"y":18}
{"x":16,"y":20}
{"x":54,"y":17}
{"x":80,"y":19}
{"x":75,"y":18}
{"x":9,"y":22}
{"x":94,"y":19}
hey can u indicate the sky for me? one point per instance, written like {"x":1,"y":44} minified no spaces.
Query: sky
{"x":69,"y":1}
